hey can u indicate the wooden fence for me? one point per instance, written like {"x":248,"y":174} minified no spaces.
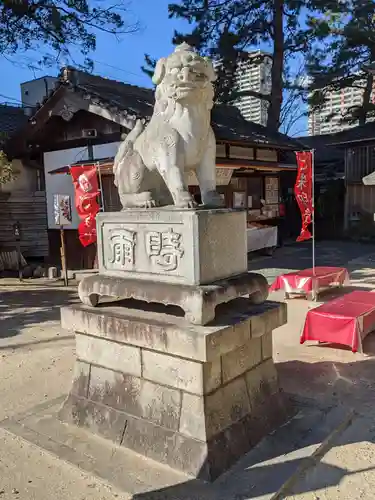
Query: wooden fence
{"x":30,"y":211}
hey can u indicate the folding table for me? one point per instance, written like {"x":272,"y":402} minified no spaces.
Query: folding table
{"x":346,"y":320}
{"x":310,"y":282}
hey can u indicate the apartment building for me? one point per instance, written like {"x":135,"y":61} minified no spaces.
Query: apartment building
{"x":254,"y":73}
{"x":328,"y":119}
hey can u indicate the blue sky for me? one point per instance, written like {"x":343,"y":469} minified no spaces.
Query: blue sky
{"x":119,"y":60}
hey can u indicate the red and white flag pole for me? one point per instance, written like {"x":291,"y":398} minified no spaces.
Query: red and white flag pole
{"x":304,"y":192}
{"x":100,"y":187}
{"x":313,"y":206}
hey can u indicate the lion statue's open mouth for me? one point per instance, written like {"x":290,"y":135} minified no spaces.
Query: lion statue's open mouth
{"x":178,"y":138}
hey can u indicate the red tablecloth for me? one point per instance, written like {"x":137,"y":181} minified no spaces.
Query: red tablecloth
{"x":346,"y":320}
{"x":311,"y":280}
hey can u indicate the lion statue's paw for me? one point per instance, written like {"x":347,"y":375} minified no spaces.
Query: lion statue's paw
{"x":149,"y":204}
{"x":191,"y":204}
{"x":185,"y":200}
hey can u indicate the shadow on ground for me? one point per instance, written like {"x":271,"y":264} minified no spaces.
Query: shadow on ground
{"x":24,"y":308}
{"x":334,"y":388}
{"x":331,"y":382}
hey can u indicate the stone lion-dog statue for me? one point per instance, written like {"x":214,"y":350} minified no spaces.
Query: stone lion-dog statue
{"x":177,"y":140}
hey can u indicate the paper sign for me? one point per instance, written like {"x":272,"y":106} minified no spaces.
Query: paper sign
{"x":62,"y":209}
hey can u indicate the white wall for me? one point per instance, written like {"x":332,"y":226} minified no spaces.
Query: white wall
{"x":61,"y":183}
{"x":106,"y":150}
{"x":35,"y":91}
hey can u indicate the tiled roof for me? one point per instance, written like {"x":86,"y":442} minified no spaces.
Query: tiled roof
{"x":355,"y":134}
{"x":322,"y":145}
{"x":227,"y":121}
{"x":120,"y":95}
{"x":137,"y":103}
{"x":328,"y":160}
{"x":12,"y":118}
{"x":230,"y":125}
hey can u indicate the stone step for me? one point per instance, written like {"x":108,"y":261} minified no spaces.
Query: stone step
{"x":268,"y":472}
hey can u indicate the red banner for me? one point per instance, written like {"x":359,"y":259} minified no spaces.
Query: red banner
{"x":86,"y":188}
{"x":303,"y":192}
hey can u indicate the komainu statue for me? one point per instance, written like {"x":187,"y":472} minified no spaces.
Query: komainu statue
{"x":178,"y":138}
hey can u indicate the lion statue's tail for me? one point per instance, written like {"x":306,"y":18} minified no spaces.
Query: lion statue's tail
{"x":126,"y":149}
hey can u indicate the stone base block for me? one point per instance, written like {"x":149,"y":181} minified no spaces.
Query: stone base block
{"x":172,"y":245}
{"x":198,"y":302}
{"x":204,"y":460}
{"x":195,"y":398}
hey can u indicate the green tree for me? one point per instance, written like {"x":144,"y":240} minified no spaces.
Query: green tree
{"x":345,"y":32}
{"x":226,"y":29}
{"x":52,"y":27}
{"x":7,"y":172}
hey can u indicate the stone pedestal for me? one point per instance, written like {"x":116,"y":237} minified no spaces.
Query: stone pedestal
{"x":193,"y":397}
{"x":193,"y":259}
{"x":190,"y":396}
{"x":186,"y":247}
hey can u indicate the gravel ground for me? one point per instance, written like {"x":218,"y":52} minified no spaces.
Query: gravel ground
{"x":37,"y":357}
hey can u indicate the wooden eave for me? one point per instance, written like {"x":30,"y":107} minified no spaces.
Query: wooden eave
{"x":17,"y":145}
{"x":106,"y":166}
{"x":256,"y":145}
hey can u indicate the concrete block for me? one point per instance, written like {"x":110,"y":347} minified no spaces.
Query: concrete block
{"x":161,"y":332}
{"x":226,"y":339}
{"x":233,"y":442}
{"x":204,"y":460}
{"x":225,"y":406}
{"x":268,"y":317}
{"x":179,"y":452}
{"x":190,"y":376}
{"x":157,"y":244}
{"x":267,"y":345}
{"x":158,"y":404}
{"x":262,"y":382}
{"x":99,"y":419}
{"x":193,"y":420}
{"x":103,"y":352}
{"x":153,"y":330}
{"x":211,"y":375}
{"x":242,"y":359}
{"x":275,"y":317}
{"x":258,"y":325}
{"x":81,"y":377}
{"x":174,"y":372}
{"x":193,"y":397}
